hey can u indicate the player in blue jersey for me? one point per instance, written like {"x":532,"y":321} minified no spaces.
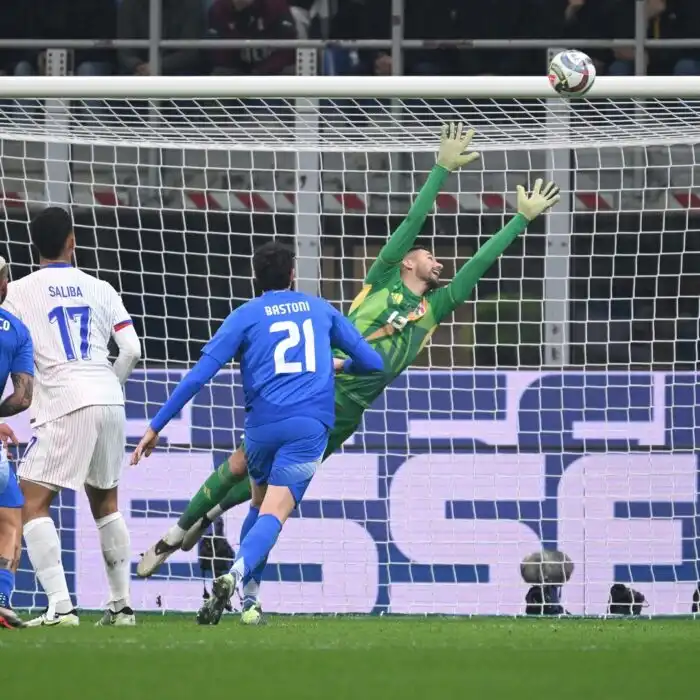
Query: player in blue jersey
{"x":17,"y":362}
{"x":283,"y":341}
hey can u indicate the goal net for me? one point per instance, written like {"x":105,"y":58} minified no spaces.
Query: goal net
{"x":556,"y":410}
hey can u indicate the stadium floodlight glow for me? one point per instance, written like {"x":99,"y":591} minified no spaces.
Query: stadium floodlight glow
{"x":581,"y":438}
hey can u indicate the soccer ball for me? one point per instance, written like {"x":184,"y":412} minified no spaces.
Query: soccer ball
{"x":571,"y":73}
{"x":252,"y":615}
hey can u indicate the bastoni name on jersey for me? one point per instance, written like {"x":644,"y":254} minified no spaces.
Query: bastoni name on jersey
{"x":288,"y":308}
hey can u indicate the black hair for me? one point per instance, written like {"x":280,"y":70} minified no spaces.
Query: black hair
{"x":273,"y":264}
{"x":49,"y":231}
{"x":414,"y":248}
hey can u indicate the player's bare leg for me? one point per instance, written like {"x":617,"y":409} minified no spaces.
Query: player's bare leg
{"x":116,"y":551}
{"x":225,"y":586}
{"x":280,"y":503}
{"x":44,"y":550}
{"x":232,"y":474}
{"x":276,"y":505}
{"x":10,"y":531}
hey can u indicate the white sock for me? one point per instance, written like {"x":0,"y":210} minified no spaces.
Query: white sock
{"x":214,"y":513}
{"x":251,"y":589}
{"x":44,"y":550}
{"x":116,"y":550}
{"x":238,"y":568}
{"x":175,"y":535}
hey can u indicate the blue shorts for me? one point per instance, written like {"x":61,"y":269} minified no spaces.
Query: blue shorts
{"x":286,"y":453}
{"x":10,"y":492}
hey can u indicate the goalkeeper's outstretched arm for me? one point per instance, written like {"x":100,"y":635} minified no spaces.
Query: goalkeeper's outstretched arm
{"x":460,"y":288}
{"x":453,"y":154}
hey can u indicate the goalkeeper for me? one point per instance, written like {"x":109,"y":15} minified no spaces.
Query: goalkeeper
{"x":398,"y":309}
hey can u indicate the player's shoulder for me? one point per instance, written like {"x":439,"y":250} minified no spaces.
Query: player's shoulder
{"x":437,"y":295}
{"x":278,"y":298}
{"x":87,"y":278}
{"x":10,"y":321}
{"x":324,"y":305}
{"x":23,"y":282}
{"x":308,"y":302}
{"x":310,"y":299}
{"x":102,"y":289}
{"x":247,"y":307}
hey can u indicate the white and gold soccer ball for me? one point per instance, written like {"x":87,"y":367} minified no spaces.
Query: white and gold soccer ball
{"x":571,"y":73}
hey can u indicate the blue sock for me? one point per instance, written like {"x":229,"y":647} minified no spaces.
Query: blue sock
{"x":248,"y":523}
{"x":7,"y":584}
{"x":257,"y":573}
{"x":257,"y":544}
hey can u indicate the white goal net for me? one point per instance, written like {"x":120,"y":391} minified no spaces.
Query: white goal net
{"x":555,"y":410}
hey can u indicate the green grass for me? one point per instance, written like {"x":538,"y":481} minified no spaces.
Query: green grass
{"x":170,"y":657}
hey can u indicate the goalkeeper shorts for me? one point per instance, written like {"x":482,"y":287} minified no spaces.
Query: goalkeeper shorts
{"x":348,"y":416}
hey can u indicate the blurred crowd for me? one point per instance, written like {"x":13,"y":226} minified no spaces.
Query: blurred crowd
{"x":55,"y":20}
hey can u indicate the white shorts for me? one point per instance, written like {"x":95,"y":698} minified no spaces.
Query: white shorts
{"x":82,"y":447}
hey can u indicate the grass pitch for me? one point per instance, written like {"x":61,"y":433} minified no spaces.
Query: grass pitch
{"x":169,"y":657}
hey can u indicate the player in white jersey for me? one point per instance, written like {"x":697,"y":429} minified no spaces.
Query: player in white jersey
{"x":77,"y":413}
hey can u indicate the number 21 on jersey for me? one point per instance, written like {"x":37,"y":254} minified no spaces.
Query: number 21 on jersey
{"x":73,"y":324}
{"x":291,"y":328}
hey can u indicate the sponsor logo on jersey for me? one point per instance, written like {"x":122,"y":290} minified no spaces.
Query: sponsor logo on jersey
{"x":418,"y":311}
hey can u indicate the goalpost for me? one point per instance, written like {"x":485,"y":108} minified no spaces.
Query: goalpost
{"x":556,"y":410}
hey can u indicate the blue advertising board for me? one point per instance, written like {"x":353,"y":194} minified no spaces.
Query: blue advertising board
{"x":452,"y":479}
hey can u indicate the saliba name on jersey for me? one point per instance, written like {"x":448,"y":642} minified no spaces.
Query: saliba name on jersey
{"x":65,"y":292}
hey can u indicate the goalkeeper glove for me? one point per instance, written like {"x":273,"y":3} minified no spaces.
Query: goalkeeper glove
{"x":454,"y":142}
{"x":536,"y":203}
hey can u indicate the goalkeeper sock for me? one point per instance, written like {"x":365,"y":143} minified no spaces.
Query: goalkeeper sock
{"x":116,"y":551}
{"x":239,"y":493}
{"x":7,"y":584}
{"x":257,"y":545}
{"x":213,"y":490}
{"x":44,"y":550}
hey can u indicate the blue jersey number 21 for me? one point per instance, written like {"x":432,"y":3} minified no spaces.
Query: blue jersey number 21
{"x":66,"y":317}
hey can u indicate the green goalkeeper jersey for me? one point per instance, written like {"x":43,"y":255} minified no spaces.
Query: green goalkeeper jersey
{"x":397,"y":322}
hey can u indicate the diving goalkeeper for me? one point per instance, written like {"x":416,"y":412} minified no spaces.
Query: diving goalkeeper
{"x":398,"y":309}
